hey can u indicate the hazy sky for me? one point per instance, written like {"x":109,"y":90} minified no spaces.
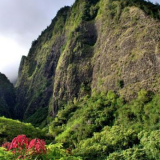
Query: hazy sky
{"x":154,"y":1}
{"x":21,"y":21}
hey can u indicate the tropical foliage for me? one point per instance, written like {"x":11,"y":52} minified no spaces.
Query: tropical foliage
{"x":22,"y":147}
{"x":104,"y":126}
{"x":11,"y":128}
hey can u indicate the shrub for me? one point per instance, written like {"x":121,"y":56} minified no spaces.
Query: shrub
{"x":151,"y":143}
{"x":11,"y":128}
{"x":22,"y":147}
{"x":109,"y":140}
{"x":129,"y":154}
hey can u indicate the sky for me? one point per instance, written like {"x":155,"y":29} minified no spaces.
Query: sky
{"x":21,"y":22}
{"x":155,"y":1}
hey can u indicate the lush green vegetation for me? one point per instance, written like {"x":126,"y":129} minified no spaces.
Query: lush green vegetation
{"x":54,"y":152}
{"x":104,"y":126}
{"x":147,"y":6}
{"x":22,"y":147}
{"x":38,"y":119}
{"x":11,"y":128}
{"x":115,"y":7}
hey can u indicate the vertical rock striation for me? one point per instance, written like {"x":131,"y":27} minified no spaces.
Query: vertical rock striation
{"x":96,"y":45}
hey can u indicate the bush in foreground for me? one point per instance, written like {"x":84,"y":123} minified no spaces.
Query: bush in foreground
{"x":11,"y":128}
{"x":22,"y":147}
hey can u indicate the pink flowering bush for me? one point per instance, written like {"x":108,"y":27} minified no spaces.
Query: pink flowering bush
{"x":37,"y":146}
{"x":19,"y":142}
{"x":22,"y":147}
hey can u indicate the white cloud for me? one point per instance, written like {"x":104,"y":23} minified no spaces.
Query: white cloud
{"x":155,"y":1}
{"x":10,"y":55}
{"x":21,"y":23}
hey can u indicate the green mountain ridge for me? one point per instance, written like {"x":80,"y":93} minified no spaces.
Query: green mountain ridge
{"x":91,"y":46}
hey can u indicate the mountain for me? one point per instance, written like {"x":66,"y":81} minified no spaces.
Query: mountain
{"x":92,"y":82}
{"x":7,"y":97}
{"x":95,"y":45}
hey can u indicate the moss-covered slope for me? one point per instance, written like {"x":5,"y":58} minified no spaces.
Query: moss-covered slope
{"x":11,"y":128}
{"x":7,"y":97}
{"x":94,"y":45}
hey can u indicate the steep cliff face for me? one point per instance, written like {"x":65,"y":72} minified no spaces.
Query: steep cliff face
{"x":127,"y":55}
{"x":7,"y":97}
{"x":34,"y":87}
{"x":94,"y":45}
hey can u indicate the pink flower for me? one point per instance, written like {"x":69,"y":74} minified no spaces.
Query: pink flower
{"x":23,"y":147}
{"x":37,"y":146}
{"x":20,"y":142}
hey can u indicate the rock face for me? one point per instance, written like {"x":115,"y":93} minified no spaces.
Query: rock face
{"x":7,"y":97}
{"x":96,"y":45}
